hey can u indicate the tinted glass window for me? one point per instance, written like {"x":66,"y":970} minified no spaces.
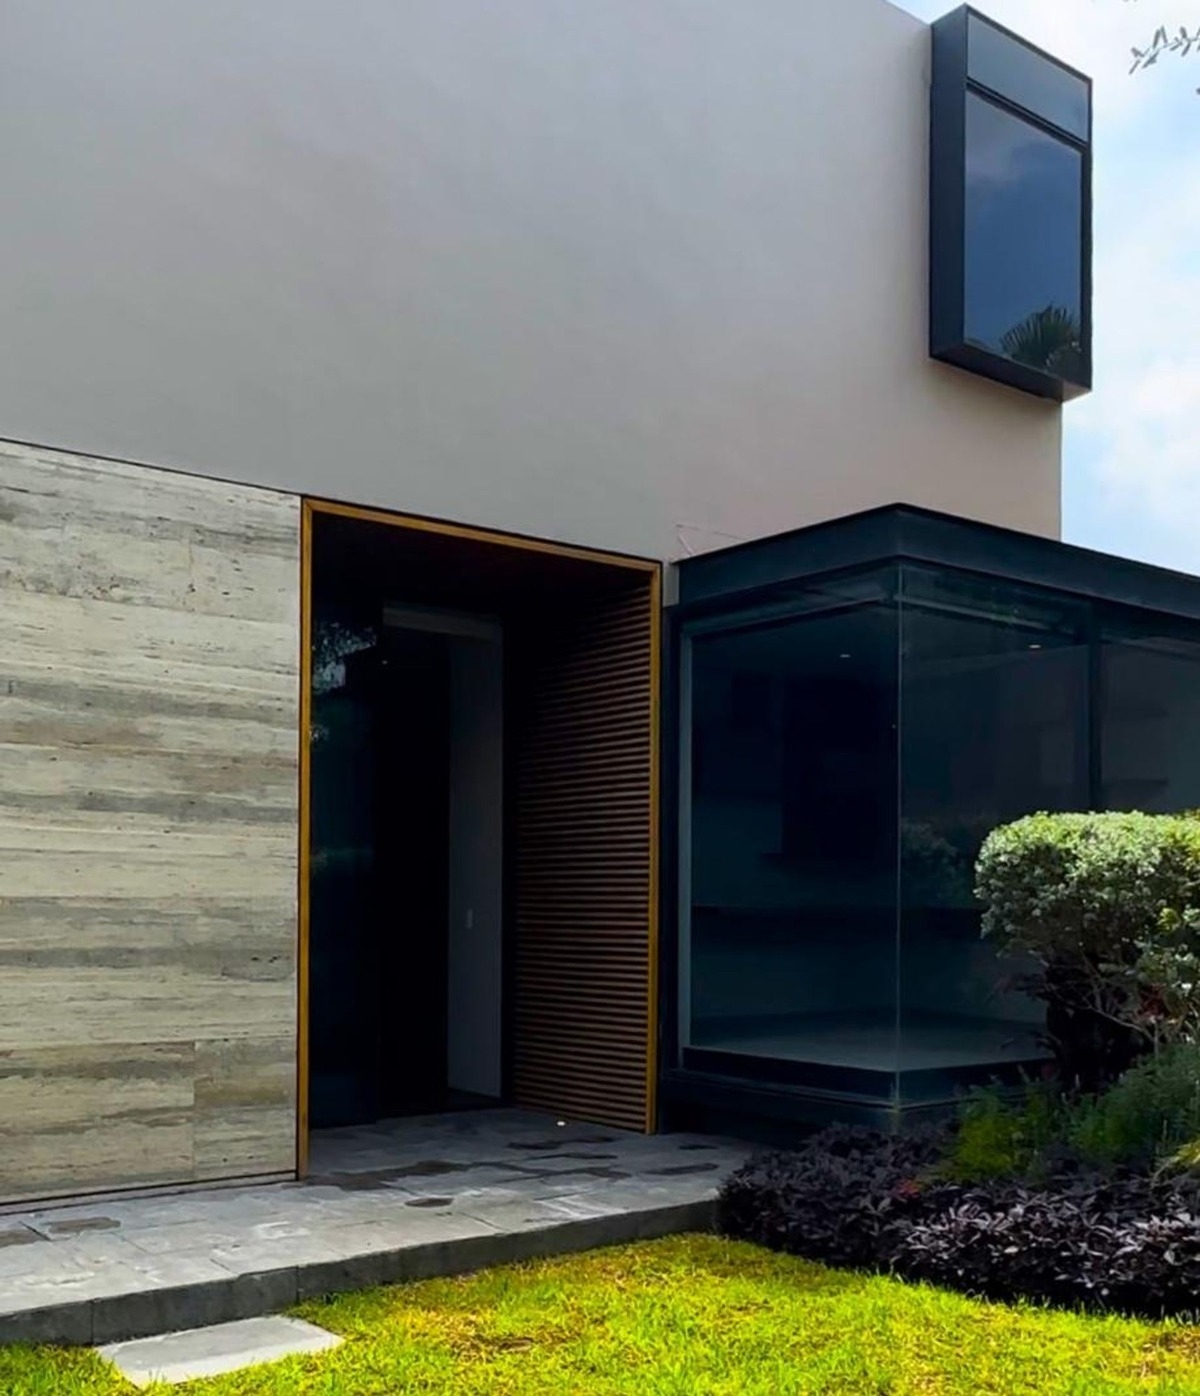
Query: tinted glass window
{"x":1024,"y":236}
{"x":1149,"y":718}
{"x":789,"y":946}
{"x":993,"y":704}
{"x":1015,"y":71}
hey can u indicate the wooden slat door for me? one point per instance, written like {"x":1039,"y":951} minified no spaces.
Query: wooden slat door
{"x":583,"y":979}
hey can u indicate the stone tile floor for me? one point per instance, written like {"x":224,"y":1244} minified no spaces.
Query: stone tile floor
{"x":419,"y":1185}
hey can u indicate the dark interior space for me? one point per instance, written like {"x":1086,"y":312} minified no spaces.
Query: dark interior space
{"x":380,"y":833}
{"x":441,"y":906}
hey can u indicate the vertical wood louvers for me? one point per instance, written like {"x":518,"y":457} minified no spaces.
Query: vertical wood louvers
{"x":583,"y":830}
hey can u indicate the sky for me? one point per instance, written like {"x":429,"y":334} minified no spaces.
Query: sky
{"x":1131,"y":457}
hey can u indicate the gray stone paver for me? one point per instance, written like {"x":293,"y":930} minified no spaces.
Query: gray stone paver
{"x":392,"y":1202}
{"x":210,"y":1352}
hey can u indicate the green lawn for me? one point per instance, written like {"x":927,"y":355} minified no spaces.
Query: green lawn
{"x":692,"y":1314}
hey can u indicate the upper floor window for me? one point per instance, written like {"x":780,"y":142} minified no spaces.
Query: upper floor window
{"x":1010,"y":210}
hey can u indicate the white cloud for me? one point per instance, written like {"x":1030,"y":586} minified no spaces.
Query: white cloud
{"x":1140,"y":430}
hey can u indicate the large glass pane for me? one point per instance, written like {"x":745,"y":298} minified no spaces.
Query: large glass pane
{"x":993,"y":726}
{"x":343,"y":867}
{"x":1149,"y":717}
{"x":1030,"y":79}
{"x":1023,"y":290}
{"x":789,"y":954}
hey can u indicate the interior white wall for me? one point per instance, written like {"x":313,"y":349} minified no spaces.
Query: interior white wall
{"x":476,"y":865}
{"x":641,"y":274}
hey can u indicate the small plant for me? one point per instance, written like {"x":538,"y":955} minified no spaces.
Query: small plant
{"x":1002,"y":1137}
{"x":1149,"y":1115}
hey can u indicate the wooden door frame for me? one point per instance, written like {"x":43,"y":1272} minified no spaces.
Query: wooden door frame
{"x":652,"y":570}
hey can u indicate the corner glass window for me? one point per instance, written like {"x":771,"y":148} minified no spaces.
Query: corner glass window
{"x":1013,"y":70}
{"x":789,"y":950}
{"x":1023,"y":272}
{"x":994,"y":726}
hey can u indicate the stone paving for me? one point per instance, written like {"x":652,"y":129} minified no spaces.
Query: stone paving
{"x":401,"y":1200}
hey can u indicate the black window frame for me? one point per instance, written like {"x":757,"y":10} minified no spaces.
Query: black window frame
{"x":950,"y":89}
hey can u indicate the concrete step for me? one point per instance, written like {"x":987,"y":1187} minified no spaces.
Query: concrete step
{"x":140,"y":1312}
{"x":213,"y":1351}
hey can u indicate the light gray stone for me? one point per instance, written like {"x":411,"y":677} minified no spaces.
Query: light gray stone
{"x":121,"y":1269}
{"x":210,"y":1352}
{"x":530,"y":1213}
{"x":148,"y":818}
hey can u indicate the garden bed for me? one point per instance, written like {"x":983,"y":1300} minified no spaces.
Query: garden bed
{"x":1085,"y":1190}
{"x":1105,"y":1239}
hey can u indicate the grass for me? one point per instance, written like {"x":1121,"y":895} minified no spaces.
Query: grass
{"x":689,"y":1315}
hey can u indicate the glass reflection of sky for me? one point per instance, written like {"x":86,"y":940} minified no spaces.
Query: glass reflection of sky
{"x":1029,"y":79}
{"x":1024,"y":203}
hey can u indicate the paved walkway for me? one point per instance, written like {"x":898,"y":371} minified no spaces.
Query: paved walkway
{"x":437,"y":1195}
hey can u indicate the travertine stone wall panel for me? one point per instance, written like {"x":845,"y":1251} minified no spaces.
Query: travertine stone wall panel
{"x":149,"y":649}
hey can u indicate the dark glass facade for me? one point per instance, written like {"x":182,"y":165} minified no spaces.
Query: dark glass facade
{"x":791,"y":818}
{"x":1020,"y":74}
{"x":847,"y":739}
{"x":993,"y":696}
{"x":1023,"y":273}
{"x":1149,"y":693}
{"x":1010,"y":210}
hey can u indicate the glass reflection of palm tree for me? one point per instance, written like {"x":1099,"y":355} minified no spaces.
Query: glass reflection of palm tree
{"x":1049,"y":339}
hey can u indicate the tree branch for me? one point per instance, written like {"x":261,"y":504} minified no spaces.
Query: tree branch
{"x":1183,"y":43}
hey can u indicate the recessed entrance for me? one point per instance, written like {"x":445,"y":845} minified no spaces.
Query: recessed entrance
{"x":478,"y":892}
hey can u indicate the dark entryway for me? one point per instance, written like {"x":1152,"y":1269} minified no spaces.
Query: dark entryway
{"x":392,"y":767}
{"x":481,"y":751}
{"x":412,"y":819}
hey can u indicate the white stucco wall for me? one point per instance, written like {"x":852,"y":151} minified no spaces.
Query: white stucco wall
{"x":642,"y":274}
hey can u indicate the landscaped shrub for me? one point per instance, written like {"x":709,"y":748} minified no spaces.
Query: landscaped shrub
{"x":1146,"y":1117}
{"x":1126,"y":1241}
{"x":1130,"y":1245}
{"x":1105,"y":908}
{"x":1002,"y":1136}
{"x":838,"y":1198}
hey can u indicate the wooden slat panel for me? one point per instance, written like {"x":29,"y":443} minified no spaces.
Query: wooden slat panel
{"x":584,"y":863}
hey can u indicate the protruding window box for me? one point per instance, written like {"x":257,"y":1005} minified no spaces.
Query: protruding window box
{"x":1010,"y":210}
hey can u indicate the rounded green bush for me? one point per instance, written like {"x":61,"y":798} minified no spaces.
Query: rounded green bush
{"x":1104,"y":909}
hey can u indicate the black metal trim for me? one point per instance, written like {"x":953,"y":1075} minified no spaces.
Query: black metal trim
{"x":984,"y":363}
{"x":947,"y":195}
{"x":1031,"y":46}
{"x":907,"y":532}
{"x":842,"y":1082}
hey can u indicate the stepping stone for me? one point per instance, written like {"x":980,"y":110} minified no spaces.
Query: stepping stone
{"x":210,"y":1352}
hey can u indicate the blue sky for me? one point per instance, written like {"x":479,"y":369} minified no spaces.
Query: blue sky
{"x":1131,"y":460}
